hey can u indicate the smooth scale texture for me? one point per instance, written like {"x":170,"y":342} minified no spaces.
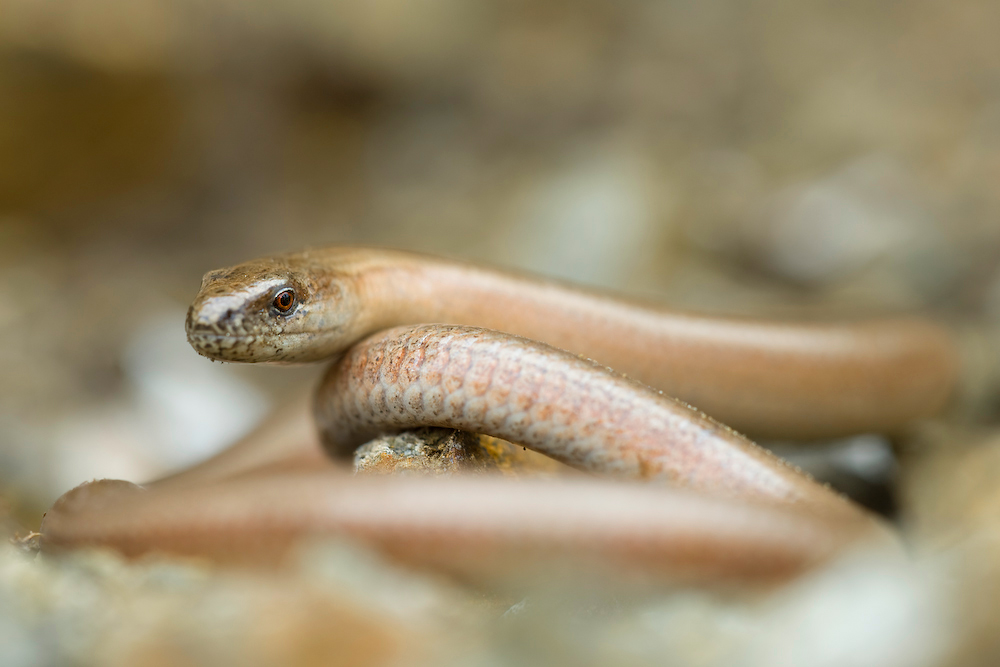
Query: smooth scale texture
{"x":732,"y":509}
{"x":765,"y":378}
{"x":572,"y":409}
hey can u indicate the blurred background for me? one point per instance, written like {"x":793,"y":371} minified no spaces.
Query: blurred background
{"x":796,"y":159}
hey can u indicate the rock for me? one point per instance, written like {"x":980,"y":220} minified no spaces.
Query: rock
{"x":441,"y":451}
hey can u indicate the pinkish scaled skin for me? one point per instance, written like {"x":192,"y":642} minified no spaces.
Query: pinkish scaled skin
{"x":572,"y":409}
{"x":766,"y":520}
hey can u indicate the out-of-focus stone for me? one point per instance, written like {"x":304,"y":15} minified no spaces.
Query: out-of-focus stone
{"x":863,"y":467}
{"x":598,"y":219}
{"x":870,"y":220}
{"x":952,"y":504}
{"x":950,"y":487}
{"x":93,"y":608}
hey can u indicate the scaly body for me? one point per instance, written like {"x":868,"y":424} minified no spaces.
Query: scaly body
{"x":774,"y":379}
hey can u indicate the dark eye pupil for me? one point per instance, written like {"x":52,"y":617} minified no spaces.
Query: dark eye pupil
{"x":284,"y":300}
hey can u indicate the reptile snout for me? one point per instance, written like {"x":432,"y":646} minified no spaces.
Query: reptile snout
{"x":216,"y":329}
{"x":224,"y":327}
{"x":216,"y":315}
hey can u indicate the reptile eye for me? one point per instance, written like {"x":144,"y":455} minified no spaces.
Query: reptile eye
{"x":284,"y":300}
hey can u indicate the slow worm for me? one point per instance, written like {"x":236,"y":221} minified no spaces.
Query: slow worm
{"x":767,"y":379}
{"x":730,"y":508}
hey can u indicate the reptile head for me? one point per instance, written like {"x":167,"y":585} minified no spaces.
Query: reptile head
{"x":289,"y":308}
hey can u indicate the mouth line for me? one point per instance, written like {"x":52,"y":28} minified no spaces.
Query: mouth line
{"x":212,"y":335}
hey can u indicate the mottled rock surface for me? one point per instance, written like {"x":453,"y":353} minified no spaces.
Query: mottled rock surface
{"x":440,"y":451}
